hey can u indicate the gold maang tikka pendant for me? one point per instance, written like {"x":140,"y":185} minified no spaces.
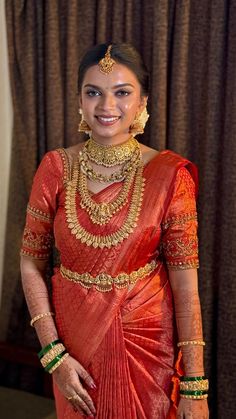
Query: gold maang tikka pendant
{"x":106,"y":64}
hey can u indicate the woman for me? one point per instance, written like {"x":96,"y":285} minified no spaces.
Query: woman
{"x":123,"y":217}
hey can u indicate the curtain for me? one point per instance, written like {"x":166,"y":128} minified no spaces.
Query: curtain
{"x":190,"y":50}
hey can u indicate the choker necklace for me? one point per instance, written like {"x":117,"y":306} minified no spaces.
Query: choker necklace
{"x":110,"y":155}
{"x":117,"y":176}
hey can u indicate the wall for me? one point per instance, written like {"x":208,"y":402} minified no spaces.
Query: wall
{"x":6,"y":119}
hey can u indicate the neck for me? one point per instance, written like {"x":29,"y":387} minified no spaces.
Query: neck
{"x":115,"y":140}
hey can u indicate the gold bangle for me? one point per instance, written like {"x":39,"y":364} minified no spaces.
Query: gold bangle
{"x":191,"y":342}
{"x":201,"y":385}
{"x":202,"y":397}
{"x":40,"y":316}
{"x":51,"y":354}
{"x":58,"y":363}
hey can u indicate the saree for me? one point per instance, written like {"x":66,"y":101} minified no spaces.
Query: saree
{"x":124,"y":335}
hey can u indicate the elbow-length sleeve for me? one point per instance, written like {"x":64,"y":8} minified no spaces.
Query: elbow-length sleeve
{"x":37,"y":238}
{"x":179,"y":226}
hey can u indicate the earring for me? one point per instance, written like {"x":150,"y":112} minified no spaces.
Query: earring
{"x":139,"y":123}
{"x":83,"y":126}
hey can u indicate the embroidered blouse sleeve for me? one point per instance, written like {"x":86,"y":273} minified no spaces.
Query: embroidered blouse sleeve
{"x":179,"y":240}
{"x":37,"y":238}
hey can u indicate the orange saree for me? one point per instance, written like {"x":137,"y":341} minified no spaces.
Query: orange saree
{"x":124,"y":335}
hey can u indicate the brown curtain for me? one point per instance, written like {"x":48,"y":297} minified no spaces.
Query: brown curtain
{"x":190,"y":49}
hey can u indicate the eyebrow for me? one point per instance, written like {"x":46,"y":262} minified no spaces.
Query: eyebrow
{"x":114,"y":87}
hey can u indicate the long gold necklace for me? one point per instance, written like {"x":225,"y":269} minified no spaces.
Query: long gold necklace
{"x":110,"y":155}
{"x":109,"y":240}
{"x":101,"y":213}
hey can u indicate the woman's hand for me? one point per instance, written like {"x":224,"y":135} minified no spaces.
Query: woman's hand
{"x":68,"y":378}
{"x":192,"y":409}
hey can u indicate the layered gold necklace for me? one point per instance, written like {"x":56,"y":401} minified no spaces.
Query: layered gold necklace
{"x":102,"y":213}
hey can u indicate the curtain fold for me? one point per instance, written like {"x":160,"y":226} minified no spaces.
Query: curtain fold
{"x":190,"y":50}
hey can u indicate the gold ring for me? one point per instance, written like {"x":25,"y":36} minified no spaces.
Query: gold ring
{"x":72,"y":397}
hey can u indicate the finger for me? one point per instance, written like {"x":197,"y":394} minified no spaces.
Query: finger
{"x":76,"y":408}
{"x":85,"y":376}
{"x":80,"y":404}
{"x":87,"y":399}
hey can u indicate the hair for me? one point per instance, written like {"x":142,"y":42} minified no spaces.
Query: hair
{"x":122,"y":53}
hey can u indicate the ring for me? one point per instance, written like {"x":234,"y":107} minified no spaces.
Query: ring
{"x":72,"y":397}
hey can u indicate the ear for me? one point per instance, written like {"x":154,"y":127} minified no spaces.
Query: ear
{"x":143,"y":103}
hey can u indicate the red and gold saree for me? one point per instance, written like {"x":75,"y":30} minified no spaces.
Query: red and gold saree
{"x":125,"y":337}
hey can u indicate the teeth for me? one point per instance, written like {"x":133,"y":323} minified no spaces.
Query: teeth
{"x":108,"y":119}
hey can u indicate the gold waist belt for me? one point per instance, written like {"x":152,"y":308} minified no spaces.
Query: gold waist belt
{"x":104,"y":282}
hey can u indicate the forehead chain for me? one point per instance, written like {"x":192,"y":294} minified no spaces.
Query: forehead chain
{"x":106,"y":64}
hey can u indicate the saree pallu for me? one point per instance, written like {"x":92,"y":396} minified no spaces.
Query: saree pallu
{"x":125,"y":338}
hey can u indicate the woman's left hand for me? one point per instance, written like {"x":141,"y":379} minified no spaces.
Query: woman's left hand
{"x":192,"y":409}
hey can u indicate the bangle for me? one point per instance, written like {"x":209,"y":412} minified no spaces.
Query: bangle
{"x":54,"y":361}
{"x":58,"y":363}
{"x":50,"y":355}
{"x":202,"y":385}
{"x":198,"y":378}
{"x":47,"y":348}
{"x":40,"y":316}
{"x":191,"y":342}
{"x":188,"y":396}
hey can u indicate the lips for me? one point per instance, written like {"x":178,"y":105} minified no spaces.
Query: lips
{"x":108,"y":119}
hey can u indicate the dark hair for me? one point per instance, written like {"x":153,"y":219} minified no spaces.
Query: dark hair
{"x":122,"y":53}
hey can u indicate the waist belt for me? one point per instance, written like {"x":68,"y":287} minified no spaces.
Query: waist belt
{"x":104,"y":282}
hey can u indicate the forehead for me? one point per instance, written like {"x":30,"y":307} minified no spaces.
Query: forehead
{"x":120,"y":74}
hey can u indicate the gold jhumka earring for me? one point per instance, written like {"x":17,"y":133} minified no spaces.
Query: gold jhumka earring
{"x":83,"y":126}
{"x":139,"y":123}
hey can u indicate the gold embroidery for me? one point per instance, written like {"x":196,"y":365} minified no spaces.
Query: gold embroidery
{"x":180,"y":247}
{"x":190,"y":264}
{"x":104,"y":282}
{"x":40,"y":256}
{"x":37,"y":241}
{"x":180,"y":219}
{"x":111,"y":239}
{"x":66,"y":165}
{"x":37,"y":213}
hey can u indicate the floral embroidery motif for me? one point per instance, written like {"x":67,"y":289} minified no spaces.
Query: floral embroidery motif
{"x":180,"y":219}
{"x":37,"y":213}
{"x":37,"y":241}
{"x":181,"y":247}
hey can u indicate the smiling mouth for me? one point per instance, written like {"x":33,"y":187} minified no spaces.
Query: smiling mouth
{"x":107,"y":120}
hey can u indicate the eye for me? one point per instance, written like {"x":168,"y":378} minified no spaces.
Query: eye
{"x":92,"y":93}
{"x":122,"y":93}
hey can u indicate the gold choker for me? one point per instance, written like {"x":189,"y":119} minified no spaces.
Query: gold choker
{"x":110,"y":155}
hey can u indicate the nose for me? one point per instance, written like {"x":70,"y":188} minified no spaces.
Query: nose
{"x":107,"y":102}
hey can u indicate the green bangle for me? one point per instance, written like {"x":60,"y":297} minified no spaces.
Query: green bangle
{"x":47,"y":348}
{"x":55,"y":360}
{"x":186,"y":378}
{"x":193,"y":393}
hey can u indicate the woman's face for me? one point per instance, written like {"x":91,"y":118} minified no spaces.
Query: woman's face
{"x":110,"y":102}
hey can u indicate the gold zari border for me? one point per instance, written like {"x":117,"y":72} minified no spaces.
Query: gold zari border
{"x":104,"y":282}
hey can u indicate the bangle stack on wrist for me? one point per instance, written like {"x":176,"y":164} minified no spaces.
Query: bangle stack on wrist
{"x":52,"y":355}
{"x":194,"y":387}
